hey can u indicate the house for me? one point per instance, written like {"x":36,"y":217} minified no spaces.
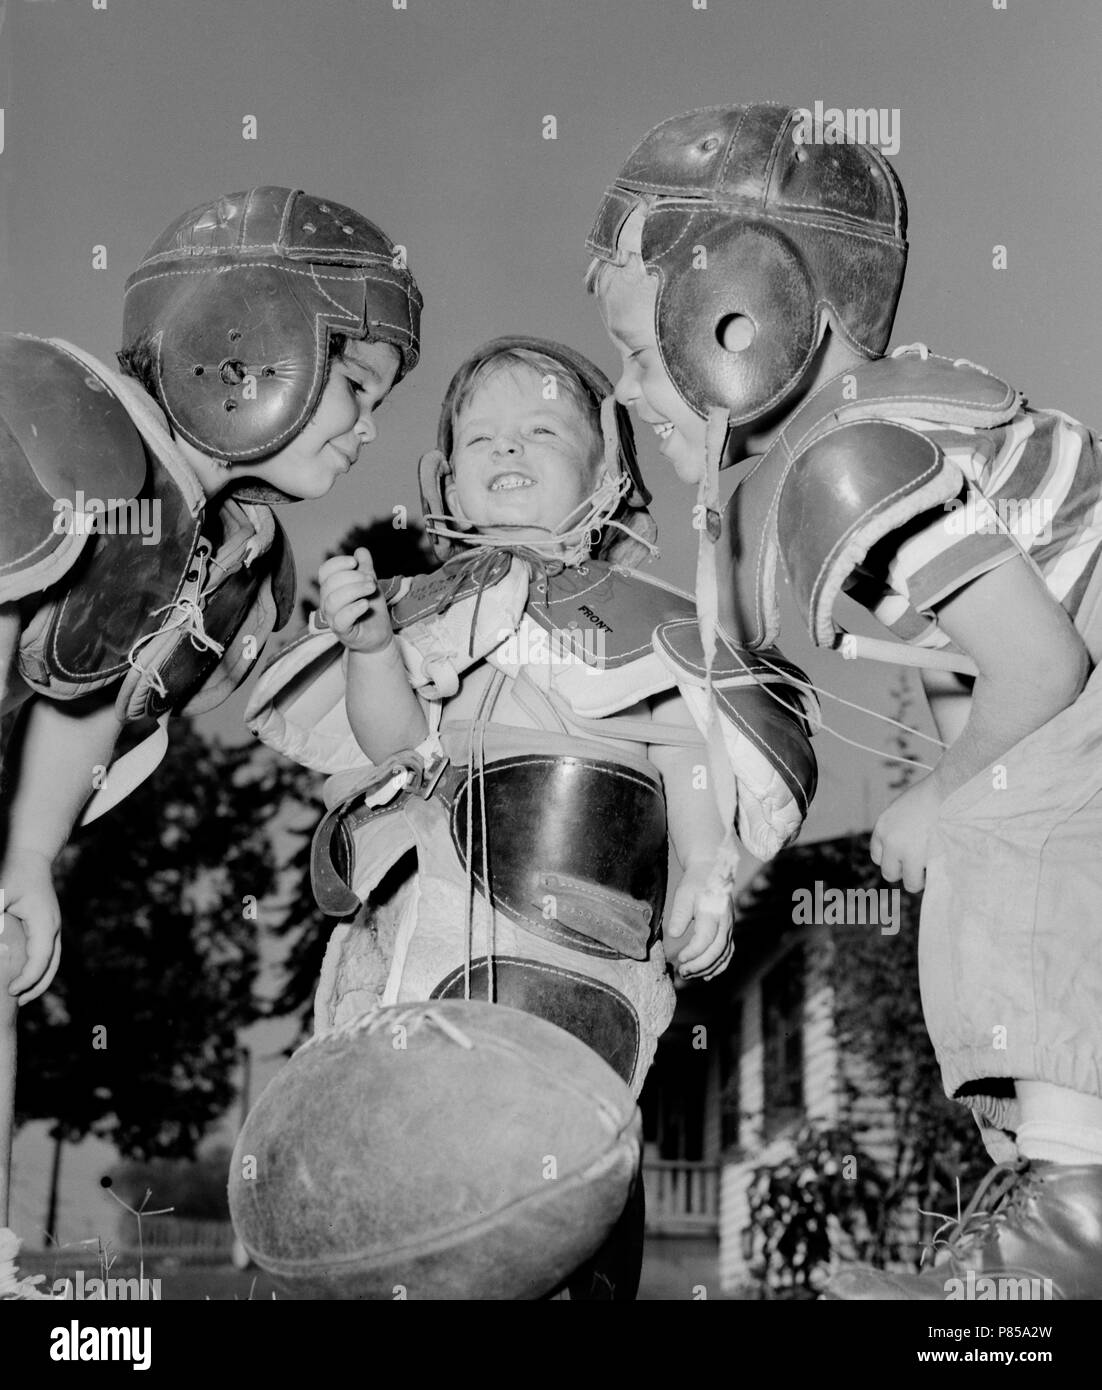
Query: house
{"x":753,"y":1057}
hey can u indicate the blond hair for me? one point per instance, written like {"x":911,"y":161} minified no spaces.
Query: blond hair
{"x":510,"y":359}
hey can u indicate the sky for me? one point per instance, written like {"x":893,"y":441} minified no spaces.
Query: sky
{"x":120,"y":114}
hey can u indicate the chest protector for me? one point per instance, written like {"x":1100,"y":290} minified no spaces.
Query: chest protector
{"x":847,"y":469}
{"x":141,"y":585}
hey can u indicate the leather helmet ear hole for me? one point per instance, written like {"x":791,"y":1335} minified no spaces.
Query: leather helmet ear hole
{"x":736,"y":332}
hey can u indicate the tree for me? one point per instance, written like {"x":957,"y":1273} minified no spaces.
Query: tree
{"x":136,"y":1041}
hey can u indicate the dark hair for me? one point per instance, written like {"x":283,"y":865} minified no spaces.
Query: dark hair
{"x":139,"y":360}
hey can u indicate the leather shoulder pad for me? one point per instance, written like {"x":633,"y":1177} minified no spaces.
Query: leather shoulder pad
{"x":284,"y":578}
{"x":732,"y":665}
{"x":414,"y":597}
{"x":915,"y":384}
{"x":849,"y":488}
{"x":72,"y":431}
{"x":769,"y":711}
{"x":64,"y":436}
{"x":618,"y":607}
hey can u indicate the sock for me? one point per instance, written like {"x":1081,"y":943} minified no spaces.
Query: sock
{"x":1050,"y":1142}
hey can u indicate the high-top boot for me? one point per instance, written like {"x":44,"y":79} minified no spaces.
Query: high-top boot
{"x":1028,"y":1221}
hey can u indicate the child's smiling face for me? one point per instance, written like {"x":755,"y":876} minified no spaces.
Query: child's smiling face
{"x":518,"y":459}
{"x":626,"y":303}
{"x":341,"y":424}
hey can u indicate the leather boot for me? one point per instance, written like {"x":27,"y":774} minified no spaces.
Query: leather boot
{"x":1040,"y":1222}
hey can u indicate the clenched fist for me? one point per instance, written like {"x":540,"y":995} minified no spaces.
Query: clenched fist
{"x":351,"y":604}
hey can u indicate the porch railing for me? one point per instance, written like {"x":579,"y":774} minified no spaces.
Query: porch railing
{"x":682,"y":1197}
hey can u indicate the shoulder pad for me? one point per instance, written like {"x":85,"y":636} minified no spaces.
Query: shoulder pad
{"x":767,"y":713}
{"x":915,"y":384}
{"x":284,"y":578}
{"x":678,"y":642}
{"x":620,"y":606}
{"x":849,"y":488}
{"x":63,"y":436}
{"x":414,"y":597}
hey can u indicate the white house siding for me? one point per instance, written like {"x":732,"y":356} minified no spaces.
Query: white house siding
{"x":821,"y":1093}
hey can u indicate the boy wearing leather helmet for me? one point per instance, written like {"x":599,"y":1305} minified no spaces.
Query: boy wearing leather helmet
{"x":260,"y":331}
{"x":749,"y":276}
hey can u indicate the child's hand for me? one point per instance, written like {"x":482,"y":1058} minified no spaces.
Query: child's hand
{"x":705,"y":903}
{"x":351,"y":605}
{"x":26,"y":880}
{"x":901,"y":838}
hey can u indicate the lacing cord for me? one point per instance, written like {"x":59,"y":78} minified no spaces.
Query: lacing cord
{"x":707,"y":596}
{"x":570,"y":543}
{"x":819,"y":692}
{"x":188,"y":608}
{"x":580,"y":530}
{"x":726,"y":863}
{"x":476,"y":755}
{"x":190,"y":618}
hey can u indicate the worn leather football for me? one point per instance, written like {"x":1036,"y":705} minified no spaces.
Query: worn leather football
{"x":444,"y":1150}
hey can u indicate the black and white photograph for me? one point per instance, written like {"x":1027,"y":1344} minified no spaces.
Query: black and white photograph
{"x":550,"y":603}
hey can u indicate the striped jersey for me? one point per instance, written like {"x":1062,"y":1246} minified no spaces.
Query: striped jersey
{"x":1032,"y":485}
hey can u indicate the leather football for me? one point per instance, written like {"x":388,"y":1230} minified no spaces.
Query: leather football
{"x":444,"y":1150}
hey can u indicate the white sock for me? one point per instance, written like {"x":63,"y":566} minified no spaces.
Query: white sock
{"x":1050,"y":1142}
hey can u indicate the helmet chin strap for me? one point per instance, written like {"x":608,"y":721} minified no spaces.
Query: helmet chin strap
{"x":709,"y":525}
{"x":570,"y":542}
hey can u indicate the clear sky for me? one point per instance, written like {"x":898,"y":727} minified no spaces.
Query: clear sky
{"x":429,"y":119}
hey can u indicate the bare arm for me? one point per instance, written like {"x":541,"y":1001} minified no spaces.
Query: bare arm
{"x":1032,"y":664}
{"x":60,"y":754}
{"x":695,"y":829}
{"x":384,"y":713}
{"x":696,"y":833}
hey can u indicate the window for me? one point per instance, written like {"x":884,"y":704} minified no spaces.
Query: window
{"x":674,"y":1099}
